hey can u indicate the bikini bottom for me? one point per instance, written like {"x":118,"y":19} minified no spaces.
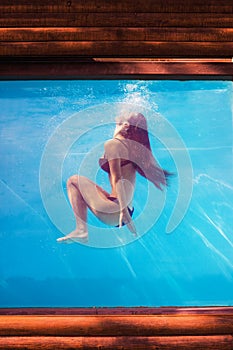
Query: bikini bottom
{"x":113,"y":199}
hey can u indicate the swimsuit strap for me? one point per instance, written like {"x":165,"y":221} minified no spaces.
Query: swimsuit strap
{"x":116,"y":138}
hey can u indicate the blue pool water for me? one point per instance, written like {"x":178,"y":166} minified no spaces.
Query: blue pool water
{"x":183,"y":254}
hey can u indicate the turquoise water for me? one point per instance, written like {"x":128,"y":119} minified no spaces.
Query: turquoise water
{"x":183,"y":254}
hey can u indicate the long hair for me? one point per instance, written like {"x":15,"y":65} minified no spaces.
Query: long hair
{"x":140,"y":151}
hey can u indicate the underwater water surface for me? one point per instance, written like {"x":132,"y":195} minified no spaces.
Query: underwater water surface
{"x":183,"y":254}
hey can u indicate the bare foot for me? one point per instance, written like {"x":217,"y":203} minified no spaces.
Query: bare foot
{"x":74,"y":236}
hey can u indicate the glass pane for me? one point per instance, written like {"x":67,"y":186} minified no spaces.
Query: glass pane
{"x":182,"y":252}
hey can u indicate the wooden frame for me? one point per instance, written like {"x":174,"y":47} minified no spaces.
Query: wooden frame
{"x":97,"y":68}
{"x":116,"y":328}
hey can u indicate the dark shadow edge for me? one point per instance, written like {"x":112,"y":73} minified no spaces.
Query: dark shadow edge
{"x":204,"y":310}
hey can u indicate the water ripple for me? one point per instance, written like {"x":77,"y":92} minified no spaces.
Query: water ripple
{"x":211,"y":246}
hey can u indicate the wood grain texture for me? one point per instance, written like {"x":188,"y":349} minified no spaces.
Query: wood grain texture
{"x":95,"y":28}
{"x":117,"y":325}
{"x":116,"y":34}
{"x":117,"y":48}
{"x":28,"y":69}
{"x":113,"y":19}
{"x":211,"y":310}
{"x":11,"y":6}
{"x":170,"y":328}
{"x":124,"y":343}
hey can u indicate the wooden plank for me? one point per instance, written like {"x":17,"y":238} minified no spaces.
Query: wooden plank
{"x":116,"y":34}
{"x":213,"y":6}
{"x":46,"y":69}
{"x":211,"y":310}
{"x":115,"y":19}
{"x":107,"y":325}
{"x":123,"y":343}
{"x":167,"y":60}
{"x":117,"y":49}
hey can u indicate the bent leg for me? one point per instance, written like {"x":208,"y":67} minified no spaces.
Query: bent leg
{"x":79,"y":207}
{"x":83,"y":194}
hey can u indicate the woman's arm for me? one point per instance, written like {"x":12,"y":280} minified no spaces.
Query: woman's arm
{"x":119,"y":188}
{"x":114,"y":155}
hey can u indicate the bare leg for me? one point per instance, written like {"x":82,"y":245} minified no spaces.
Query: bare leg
{"x":79,"y":207}
{"x":84,"y":194}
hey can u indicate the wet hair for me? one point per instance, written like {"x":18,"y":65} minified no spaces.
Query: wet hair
{"x":138,"y":130}
{"x":141,"y":153}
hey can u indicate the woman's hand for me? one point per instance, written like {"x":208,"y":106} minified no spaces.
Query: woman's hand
{"x":127,"y":220}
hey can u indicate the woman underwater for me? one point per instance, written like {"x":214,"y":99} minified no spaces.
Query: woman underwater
{"x":125,"y":154}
